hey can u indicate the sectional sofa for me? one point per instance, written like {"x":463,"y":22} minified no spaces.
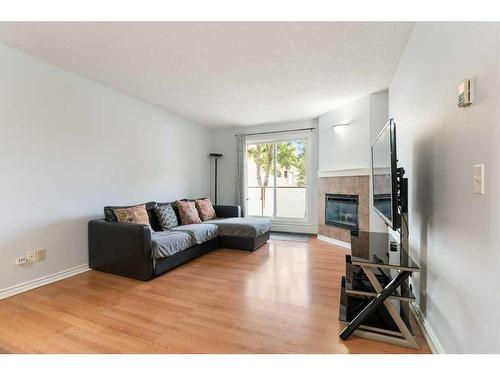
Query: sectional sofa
{"x":142,"y":252}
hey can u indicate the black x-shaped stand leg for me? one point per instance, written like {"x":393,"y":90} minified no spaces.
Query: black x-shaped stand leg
{"x":374,"y":304}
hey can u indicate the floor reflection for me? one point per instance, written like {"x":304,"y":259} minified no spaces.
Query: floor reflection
{"x":283,"y":276}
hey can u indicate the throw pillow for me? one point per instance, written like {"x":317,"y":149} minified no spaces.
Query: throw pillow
{"x":166,"y":216}
{"x":205,"y":209}
{"x":188,"y":212}
{"x":134,"y":214}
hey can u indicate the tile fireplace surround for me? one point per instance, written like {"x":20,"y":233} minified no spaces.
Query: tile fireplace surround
{"x":355,"y":185}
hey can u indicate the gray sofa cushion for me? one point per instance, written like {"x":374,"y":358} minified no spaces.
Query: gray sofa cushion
{"x":199,"y":232}
{"x":168,"y":243}
{"x":242,"y":226}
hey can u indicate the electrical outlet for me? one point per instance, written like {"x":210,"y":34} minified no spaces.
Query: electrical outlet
{"x":21,"y":260}
{"x":31,"y":256}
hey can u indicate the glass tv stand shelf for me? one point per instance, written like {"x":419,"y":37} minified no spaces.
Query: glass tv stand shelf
{"x":375,"y":296}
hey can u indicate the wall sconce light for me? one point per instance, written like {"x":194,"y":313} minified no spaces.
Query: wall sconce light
{"x":340,"y":128}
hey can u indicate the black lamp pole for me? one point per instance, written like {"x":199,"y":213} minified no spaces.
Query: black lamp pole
{"x":215,"y":156}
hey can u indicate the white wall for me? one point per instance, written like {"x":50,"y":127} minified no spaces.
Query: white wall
{"x":454,"y":234}
{"x":379,"y":112}
{"x":224,"y":141}
{"x":68,"y":147}
{"x":349,"y":149}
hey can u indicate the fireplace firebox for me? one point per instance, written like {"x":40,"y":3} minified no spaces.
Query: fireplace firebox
{"x":341,"y":210}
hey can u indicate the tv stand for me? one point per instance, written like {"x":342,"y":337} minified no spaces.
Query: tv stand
{"x":375,"y":296}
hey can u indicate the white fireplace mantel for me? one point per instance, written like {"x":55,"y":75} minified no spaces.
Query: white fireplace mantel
{"x":345,"y":172}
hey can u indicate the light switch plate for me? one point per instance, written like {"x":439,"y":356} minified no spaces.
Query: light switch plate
{"x":31,"y":256}
{"x":478,"y":179}
{"x":41,"y":255}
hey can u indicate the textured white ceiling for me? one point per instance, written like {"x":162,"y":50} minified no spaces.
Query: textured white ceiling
{"x":225,"y":74}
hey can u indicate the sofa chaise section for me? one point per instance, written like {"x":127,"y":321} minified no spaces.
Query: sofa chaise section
{"x":242,"y":232}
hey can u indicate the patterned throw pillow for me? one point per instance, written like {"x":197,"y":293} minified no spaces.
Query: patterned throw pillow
{"x":188,"y":212}
{"x":134,"y":214}
{"x":205,"y":209}
{"x":166,"y":216}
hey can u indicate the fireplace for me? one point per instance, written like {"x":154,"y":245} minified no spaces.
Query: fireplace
{"x":341,"y":210}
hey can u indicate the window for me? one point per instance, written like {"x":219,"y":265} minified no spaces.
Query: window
{"x":276,"y":179}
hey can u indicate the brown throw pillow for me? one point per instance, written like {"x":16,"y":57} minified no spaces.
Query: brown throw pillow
{"x":205,"y":209}
{"x":188,"y":212}
{"x":134,"y":214}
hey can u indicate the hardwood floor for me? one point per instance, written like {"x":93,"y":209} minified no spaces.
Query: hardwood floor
{"x":282,"y":298}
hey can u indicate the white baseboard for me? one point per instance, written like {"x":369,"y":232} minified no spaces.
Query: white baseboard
{"x":24,"y":287}
{"x":333,"y":241}
{"x":294,"y":228}
{"x":427,"y":330}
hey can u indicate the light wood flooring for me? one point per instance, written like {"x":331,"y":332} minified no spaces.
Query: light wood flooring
{"x":282,"y":298}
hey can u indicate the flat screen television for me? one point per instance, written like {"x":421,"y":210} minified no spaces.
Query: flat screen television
{"x":384,"y":176}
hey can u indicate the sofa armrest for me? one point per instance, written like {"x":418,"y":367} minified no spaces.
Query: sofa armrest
{"x":120,"y":248}
{"x":227,"y":211}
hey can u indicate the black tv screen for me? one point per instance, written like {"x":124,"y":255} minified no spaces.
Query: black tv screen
{"x":384,"y":175}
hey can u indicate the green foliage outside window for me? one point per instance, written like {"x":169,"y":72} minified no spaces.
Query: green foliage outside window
{"x":290,"y":155}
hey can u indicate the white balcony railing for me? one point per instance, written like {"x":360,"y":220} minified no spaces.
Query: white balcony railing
{"x":290,"y":201}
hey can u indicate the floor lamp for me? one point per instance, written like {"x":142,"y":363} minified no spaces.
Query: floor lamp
{"x":215,"y":156}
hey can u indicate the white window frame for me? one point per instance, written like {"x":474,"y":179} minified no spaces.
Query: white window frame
{"x":276,"y":138}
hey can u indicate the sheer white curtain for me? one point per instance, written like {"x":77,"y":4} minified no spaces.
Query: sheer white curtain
{"x":240,"y":173}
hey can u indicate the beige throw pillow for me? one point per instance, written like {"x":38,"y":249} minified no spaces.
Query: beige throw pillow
{"x":188,"y":212}
{"x":134,"y":214}
{"x":205,"y":209}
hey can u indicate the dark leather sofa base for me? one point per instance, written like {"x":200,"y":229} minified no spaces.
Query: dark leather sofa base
{"x":176,"y":260}
{"x":121,"y":249}
{"x":125,"y":249}
{"x":243,"y":243}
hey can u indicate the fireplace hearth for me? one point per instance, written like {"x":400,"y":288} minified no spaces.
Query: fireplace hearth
{"x":341,"y":210}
